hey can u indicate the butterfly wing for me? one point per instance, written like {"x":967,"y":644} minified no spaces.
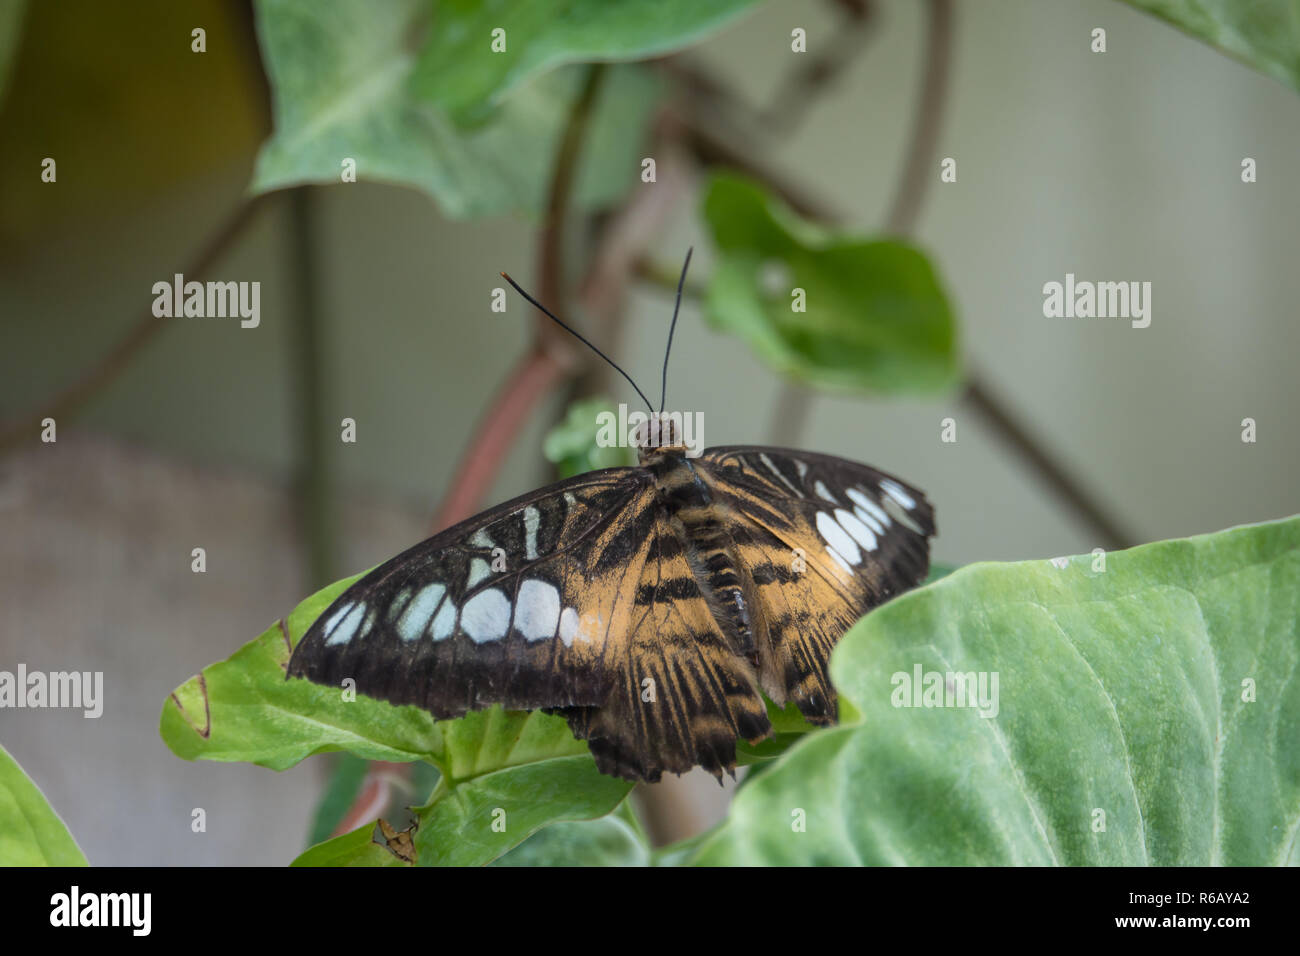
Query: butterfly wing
{"x":821,"y":540}
{"x":492,"y":610}
{"x":681,"y":695}
{"x":578,"y":599}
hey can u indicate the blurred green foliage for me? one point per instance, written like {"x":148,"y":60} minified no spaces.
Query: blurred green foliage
{"x":31,"y":833}
{"x":1264,"y":34}
{"x":874,"y":315}
{"x":571,"y":445}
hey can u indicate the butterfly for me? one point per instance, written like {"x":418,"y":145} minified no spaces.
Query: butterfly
{"x":651,"y":606}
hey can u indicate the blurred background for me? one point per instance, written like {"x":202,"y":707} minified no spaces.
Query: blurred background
{"x":177,"y":434}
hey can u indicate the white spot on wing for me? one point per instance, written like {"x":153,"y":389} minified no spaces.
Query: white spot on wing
{"x":895,"y":491}
{"x":370,"y":622}
{"x":871,"y":522}
{"x":776,"y":471}
{"x":899,"y":514}
{"x":486,"y":616}
{"x":348,"y":626}
{"x":444,"y":622}
{"x":824,"y":492}
{"x":568,"y":626}
{"x":336,"y":617}
{"x":478,"y":571}
{"x":480,"y":539}
{"x":532,"y":520}
{"x":839,"y":559}
{"x":399,"y":603}
{"x":802,"y":467}
{"x":537,"y":610}
{"x":869,"y":506}
{"x":860,"y":532}
{"x":837,"y":537}
{"x":416,"y":617}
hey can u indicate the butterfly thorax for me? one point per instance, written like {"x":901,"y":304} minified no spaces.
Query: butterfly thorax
{"x":701,"y":523}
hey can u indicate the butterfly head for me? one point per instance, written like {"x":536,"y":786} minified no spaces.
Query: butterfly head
{"x":660,"y":436}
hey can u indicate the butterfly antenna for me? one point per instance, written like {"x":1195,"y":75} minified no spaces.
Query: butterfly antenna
{"x":681,"y":283}
{"x":551,"y":315}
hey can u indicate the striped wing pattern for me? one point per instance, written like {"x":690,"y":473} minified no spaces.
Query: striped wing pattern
{"x":596,"y":599}
{"x":683,"y":695}
{"x":821,"y":541}
{"x":498,"y":609}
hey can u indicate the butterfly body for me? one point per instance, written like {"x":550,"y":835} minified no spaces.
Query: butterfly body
{"x":650,"y":606}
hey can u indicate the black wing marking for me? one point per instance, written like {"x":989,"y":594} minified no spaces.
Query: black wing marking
{"x":822,"y":540}
{"x":496,"y":609}
{"x":680,"y":695}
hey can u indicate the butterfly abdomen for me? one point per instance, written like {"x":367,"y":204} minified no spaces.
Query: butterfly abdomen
{"x":710,"y":548}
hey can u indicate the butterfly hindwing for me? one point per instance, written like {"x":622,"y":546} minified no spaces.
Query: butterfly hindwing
{"x":495,"y":610}
{"x":680,"y":696}
{"x":821,"y":540}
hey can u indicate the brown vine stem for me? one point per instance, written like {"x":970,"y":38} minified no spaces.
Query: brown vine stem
{"x":25,"y":427}
{"x":552,"y":286}
{"x":551,"y":357}
{"x":524,"y":387}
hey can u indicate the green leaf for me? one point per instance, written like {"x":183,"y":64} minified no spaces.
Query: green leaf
{"x":1264,"y":34}
{"x":341,"y":83}
{"x":472,"y":825}
{"x":938,"y":571}
{"x":357,"y":848}
{"x":571,"y":445}
{"x":1120,"y":702}
{"x":610,"y":841}
{"x":527,"y":763}
{"x":244,"y":709}
{"x":31,"y":833}
{"x":460,"y":73}
{"x":876,"y":317}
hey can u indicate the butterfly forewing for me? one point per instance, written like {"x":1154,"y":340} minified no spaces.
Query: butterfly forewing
{"x":821,"y":541}
{"x":496,"y":610}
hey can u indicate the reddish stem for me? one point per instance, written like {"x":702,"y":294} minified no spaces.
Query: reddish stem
{"x":524,"y":388}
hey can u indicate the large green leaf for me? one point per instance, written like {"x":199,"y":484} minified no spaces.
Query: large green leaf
{"x":1264,"y":34}
{"x":526,"y":764}
{"x":876,"y":317}
{"x":613,"y":840}
{"x":1159,"y":696}
{"x":31,"y":833}
{"x":461,"y":74}
{"x":341,"y":77}
{"x":467,"y":825}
